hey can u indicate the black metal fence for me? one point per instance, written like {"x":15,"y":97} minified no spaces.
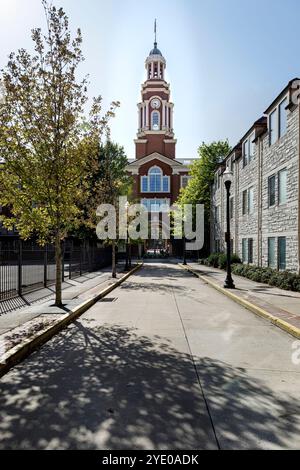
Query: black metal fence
{"x":25,"y":266}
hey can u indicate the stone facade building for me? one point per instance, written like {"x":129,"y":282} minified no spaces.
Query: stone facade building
{"x":264,"y":204}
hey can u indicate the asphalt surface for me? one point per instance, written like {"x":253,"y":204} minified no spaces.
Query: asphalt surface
{"x":165,"y":362}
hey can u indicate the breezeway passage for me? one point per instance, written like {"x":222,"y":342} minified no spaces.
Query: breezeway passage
{"x":165,"y":362}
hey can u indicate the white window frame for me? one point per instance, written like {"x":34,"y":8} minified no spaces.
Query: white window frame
{"x":280,"y":202}
{"x":155,"y":111}
{"x":142,"y":178}
{"x":276,"y":112}
{"x":249,"y":200}
{"x":162,"y":182}
{"x":279,"y":118}
{"x":152,"y":201}
{"x":181,"y":180}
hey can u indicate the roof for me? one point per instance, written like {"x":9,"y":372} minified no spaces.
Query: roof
{"x":155,"y":51}
{"x":281,"y":95}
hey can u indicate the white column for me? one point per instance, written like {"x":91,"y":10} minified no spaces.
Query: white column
{"x":171,"y":115}
{"x":147,"y":114}
{"x":164,"y":114}
{"x":152,"y":69}
{"x":167,"y":120}
{"x":140,"y":117}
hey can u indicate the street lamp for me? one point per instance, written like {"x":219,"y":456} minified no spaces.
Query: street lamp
{"x":228,"y":178}
{"x":127,"y":238}
{"x":184,"y":241}
{"x":128,"y":244}
{"x":184,"y":251}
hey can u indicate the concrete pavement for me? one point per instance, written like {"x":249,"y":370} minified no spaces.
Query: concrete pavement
{"x":164,"y":362}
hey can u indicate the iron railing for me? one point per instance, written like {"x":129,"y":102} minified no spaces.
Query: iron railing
{"x":25,"y":266}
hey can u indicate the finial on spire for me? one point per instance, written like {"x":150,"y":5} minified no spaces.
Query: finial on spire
{"x":155,"y":32}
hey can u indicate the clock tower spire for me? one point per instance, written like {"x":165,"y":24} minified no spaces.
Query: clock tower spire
{"x":155,"y":111}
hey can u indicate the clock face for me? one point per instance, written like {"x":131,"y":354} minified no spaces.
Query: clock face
{"x":155,"y":103}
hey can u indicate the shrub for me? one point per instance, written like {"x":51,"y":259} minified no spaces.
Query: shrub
{"x":222,"y":261}
{"x":281,"y":279}
{"x":213,"y":260}
{"x":235,"y":259}
{"x":296,"y":284}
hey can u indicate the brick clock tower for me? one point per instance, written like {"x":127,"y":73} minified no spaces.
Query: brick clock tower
{"x":158,"y":175}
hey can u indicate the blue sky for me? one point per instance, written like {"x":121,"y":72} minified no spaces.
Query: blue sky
{"x":226,"y":59}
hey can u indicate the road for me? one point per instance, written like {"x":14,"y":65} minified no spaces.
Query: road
{"x":165,"y":362}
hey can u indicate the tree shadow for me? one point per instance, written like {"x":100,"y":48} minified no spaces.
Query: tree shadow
{"x":246,"y":413}
{"x":107,"y":387}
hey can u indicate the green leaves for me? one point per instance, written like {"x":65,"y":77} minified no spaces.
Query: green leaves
{"x":202,"y":172}
{"x":48,"y":145}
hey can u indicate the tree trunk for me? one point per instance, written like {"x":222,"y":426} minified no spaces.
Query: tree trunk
{"x":58,"y":259}
{"x":114,"y":266}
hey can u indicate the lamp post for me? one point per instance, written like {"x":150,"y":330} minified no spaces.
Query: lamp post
{"x":228,"y":177}
{"x":184,"y":251}
{"x":127,"y":238}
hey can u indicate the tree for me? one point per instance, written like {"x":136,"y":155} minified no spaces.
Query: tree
{"x":45,"y":141}
{"x":198,"y":190}
{"x":109,"y":183}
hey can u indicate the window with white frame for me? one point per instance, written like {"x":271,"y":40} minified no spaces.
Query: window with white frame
{"x":155,"y":121}
{"x":248,"y":149}
{"x":246,"y":153}
{"x":273,"y":128}
{"x":250,"y":200}
{"x":278,"y":122}
{"x":155,"y":181}
{"x":156,"y":205}
{"x":245,"y":250}
{"x":251,"y":146}
{"x":282,"y":118}
{"x":144,"y":185}
{"x":245,"y":202}
{"x":271,"y":252}
{"x":282,"y":186}
{"x":185,"y":181}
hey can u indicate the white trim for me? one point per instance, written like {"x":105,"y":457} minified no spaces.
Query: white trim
{"x":176,"y":166}
{"x":148,"y":176}
{"x":161,"y":90}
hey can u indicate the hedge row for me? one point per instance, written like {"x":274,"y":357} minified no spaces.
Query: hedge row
{"x":219,"y":260}
{"x":283,"y":279}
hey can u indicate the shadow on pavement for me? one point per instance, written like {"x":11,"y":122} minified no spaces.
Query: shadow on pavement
{"x":106,"y":387}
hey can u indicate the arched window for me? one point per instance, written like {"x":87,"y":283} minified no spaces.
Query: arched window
{"x":155,"y":181}
{"x":155,"y":121}
{"x":155,"y":176}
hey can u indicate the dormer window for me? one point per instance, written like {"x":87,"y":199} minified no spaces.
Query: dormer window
{"x":248,"y":149}
{"x":282,"y":118}
{"x":278,"y":122}
{"x":273,"y":127}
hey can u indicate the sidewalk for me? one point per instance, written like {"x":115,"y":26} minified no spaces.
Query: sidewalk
{"x":279,"y":306}
{"x":29,"y":326}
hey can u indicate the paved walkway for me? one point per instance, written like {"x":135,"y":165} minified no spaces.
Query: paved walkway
{"x":165,"y":362}
{"x":74,"y":291}
{"x":280,"y":303}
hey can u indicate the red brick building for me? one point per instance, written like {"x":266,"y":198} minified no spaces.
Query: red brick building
{"x":158,"y":175}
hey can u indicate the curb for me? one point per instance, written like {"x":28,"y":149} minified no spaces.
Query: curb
{"x":20,"y":352}
{"x":283,"y":325}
